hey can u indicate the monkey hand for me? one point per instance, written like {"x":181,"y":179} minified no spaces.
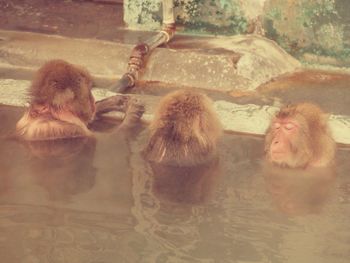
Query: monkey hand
{"x":113,"y":103}
{"x":133,"y":113}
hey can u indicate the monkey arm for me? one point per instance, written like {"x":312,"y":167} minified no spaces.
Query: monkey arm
{"x":113,"y":103}
{"x":132,"y":108}
{"x":133,"y":114}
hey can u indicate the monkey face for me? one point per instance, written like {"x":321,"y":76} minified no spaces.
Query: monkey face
{"x":299,"y":137}
{"x":288,"y":144}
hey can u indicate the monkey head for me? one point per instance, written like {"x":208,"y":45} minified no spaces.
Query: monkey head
{"x":61,"y":85}
{"x":184,"y":131}
{"x":299,"y":136}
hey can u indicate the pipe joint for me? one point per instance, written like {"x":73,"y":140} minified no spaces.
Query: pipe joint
{"x":141,"y":49}
{"x":139,"y":52}
{"x":131,"y":77}
{"x":169,"y":31}
{"x":136,"y":58}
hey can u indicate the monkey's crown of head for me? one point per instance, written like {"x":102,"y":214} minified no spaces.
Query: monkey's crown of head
{"x":286,"y":111}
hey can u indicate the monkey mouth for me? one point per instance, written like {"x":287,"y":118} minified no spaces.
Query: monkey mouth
{"x":277,"y":156}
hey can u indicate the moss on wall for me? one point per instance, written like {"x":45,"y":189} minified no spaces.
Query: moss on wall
{"x":143,"y":14}
{"x":211,"y":16}
{"x":316,"y":31}
{"x":312,"y":30}
{"x":196,"y":16}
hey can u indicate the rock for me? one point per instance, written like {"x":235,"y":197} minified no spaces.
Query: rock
{"x":222,"y":63}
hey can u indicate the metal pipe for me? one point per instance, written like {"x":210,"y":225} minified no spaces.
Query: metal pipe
{"x":168,"y":12}
{"x":140,"y":51}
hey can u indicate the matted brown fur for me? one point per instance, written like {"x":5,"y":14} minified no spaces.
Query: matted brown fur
{"x":184,"y":131}
{"x":314,"y":145}
{"x":61,"y":103}
{"x":58,"y":84}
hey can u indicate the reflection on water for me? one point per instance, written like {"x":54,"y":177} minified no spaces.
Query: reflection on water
{"x":187,"y":185}
{"x":100,"y":201}
{"x":63,"y":167}
{"x":66,"y":201}
{"x":299,"y":191}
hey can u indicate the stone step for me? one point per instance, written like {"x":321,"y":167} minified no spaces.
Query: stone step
{"x":249,"y":119}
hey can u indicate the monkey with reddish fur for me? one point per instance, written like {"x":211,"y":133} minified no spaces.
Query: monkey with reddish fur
{"x":184,"y":131}
{"x":62,"y":105}
{"x":299,"y":137}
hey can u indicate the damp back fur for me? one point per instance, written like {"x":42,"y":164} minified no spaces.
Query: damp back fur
{"x":184,"y":131}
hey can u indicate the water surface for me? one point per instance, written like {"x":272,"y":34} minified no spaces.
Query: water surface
{"x":98,"y":200}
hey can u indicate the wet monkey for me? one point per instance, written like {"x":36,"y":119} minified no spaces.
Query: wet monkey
{"x":186,"y":184}
{"x":299,"y":191}
{"x":184,"y":131}
{"x":299,"y":137}
{"x":62,"y":105}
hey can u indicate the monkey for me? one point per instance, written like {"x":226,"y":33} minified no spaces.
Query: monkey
{"x":62,"y":105}
{"x":63,"y":168}
{"x":299,"y":191}
{"x":186,"y":184}
{"x":131,"y":122}
{"x":184,"y":131}
{"x":299,"y":137}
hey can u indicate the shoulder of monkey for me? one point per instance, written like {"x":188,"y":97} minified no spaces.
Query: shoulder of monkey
{"x":42,"y":128}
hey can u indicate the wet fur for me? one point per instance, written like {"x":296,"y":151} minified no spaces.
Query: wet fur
{"x":314,"y":145}
{"x":61,"y":103}
{"x":50,"y":126}
{"x":184,"y":131}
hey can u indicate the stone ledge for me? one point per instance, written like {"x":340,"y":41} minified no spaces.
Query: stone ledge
{"x":221,"y":63}
{"x":249,"y":119}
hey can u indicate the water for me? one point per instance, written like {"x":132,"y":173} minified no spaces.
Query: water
{"x":95,"y":201}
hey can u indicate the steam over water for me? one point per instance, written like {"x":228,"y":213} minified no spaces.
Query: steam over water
{"x":100,"y":201}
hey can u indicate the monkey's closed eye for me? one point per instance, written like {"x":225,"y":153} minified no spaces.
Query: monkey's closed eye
{"x":277,"y":125}
{"x":289,"y":126}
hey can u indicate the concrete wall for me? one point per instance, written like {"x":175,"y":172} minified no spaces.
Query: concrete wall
{"x":315,"y":31}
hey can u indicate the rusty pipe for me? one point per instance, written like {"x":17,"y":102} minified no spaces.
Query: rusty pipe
{"x":135,"y":63}
{"x":141,"y":51}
